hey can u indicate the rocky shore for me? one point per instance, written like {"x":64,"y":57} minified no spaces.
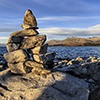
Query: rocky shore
{"x":75,"y":79}
{"x":28,"y":72}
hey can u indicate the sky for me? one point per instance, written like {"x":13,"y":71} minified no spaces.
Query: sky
{"x":58,"y":19}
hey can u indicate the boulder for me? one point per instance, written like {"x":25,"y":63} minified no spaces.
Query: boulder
{"x":18,"y":68}
{"x":87,"y":69}
{"x":56,"y":86}
{"x":29,"y":18}
{"x":33,"y":41}
{"x":12,"y":47}
{"x":16,"y":56}
{"x":14,"y":39}
{"x":95,"y":95}
{"x":40,"y":71}
{"x":28,"y":32}
{"x":28,"y":27}
{"x":44,"y":58}
{"x":39,"y":49}
{"x":34,"y":64}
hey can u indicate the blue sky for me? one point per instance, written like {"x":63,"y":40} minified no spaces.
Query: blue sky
{"x":58,"y":19}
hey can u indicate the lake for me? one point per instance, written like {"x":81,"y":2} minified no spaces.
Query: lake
{"x":69,"y":52}
{"x":74,"y":52}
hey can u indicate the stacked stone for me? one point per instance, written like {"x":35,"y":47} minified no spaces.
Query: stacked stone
{"x":25,"y":42}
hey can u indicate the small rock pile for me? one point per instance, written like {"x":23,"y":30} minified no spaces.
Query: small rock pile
{"x":21,"y":44}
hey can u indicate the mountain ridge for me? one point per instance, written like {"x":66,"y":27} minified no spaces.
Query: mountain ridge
{"x":76,"y":41}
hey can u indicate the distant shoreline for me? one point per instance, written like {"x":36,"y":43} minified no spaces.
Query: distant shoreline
{"x":75,"y":41}
{"x":84,"y":45}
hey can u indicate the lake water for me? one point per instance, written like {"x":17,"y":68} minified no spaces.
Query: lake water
{"x":74,"y":52}
{"x":69,"y":52}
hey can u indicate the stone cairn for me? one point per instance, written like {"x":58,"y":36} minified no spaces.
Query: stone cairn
{"x":26,"y":44}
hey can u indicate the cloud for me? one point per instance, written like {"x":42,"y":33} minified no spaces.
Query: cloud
{"x":3,"y":38}
{"x":95,"y":27}
{"x":7,"y":29}
{"x":66,"y":18}
{"x":62,"y":33}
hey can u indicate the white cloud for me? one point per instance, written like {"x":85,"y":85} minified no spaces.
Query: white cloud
{"x":62,"y":33}
{"x":95,"y":27}
{"x":3,"y":38}
{"x":71,"y":31}
{"x":66,"y":18}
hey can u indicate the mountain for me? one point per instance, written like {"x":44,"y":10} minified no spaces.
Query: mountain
{"x":76,"y":41}
{"x":2,"y":45}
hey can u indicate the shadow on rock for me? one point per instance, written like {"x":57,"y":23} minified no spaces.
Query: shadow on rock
{"x":55,"y":86}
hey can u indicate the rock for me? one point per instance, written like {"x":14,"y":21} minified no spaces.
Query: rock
{"x":59,"y":65}
{"x":73,"y":61}
{"x":16,"y":56}
{"x":1,"y":67}
{"x":62,"y":63}
{"x":96,"y":74}
{"x":88,"y":60}
{"x":91,"y":59}
{"x":33,"y":41}
{"x":14,"y":39}
{"x":29,"y":18}
{"x":56,"y":86}
{"x":79,"y":59}
{"x":28,"y":32}
{"x":90,"y":70}
{"x":35,"y":64}
{"x":78,"y":70}
{"x":3,"y":62}
{"x":18,"y":68}
{"x":44,"y":58}
{"x":40,"y":71}
{"x":28,"y":27}
{"x":95,"y":95}
{"x":94,"y":60}
{"x":98,"y":59}
{"x":64,"y":69}
{"x":12,"y":47}
{"x":39,"y":49}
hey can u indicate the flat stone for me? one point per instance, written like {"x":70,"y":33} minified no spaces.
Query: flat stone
{"x":44,"y":58}
{"x":56,"y":86}
{"x":18,"y":68}
{"x":28,"y":32}
{"x":39,"y":49}
{"x":12,"y":47}
{"x":33,"y":41}
{"x":34,"y":64}
{"x":16,"y":56}
{"x":29,"y":18}
{"x":40,"y":71}
{"x":14,"y":39}
{"x":28,"y":27}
